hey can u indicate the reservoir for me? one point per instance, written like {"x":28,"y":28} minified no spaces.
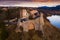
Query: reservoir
{"x":55,"y":20}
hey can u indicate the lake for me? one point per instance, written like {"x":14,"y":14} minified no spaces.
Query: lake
{"x":55,"y":20}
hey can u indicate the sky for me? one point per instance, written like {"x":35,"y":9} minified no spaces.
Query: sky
{"x":31,"y":0}
{"x":28,"y":4}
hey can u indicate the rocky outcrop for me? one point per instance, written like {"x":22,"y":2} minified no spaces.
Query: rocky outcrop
{"x":46,"y":31}
{"x":39,"y":28}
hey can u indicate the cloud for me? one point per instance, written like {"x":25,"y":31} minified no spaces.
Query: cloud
{"x":28,"y":4}
{"x":31,"y":0}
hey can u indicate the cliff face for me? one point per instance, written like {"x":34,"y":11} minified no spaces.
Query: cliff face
{"x":39,"y":28}
{"x":50,"y":31}
{"x":44,"y":30}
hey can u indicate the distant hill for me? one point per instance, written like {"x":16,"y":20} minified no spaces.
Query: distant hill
{"x":50,"y":8}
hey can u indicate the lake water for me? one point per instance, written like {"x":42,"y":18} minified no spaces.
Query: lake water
{"x":55,"y":20}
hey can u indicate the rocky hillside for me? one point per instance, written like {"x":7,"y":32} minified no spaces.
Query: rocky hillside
{"x":38,"y":28}
{"x":46,"y":31}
